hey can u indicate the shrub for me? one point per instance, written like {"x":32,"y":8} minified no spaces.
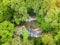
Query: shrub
{"x":6,"y":31}
{"x":5,"y":10}
{"x":20,"y":14}
{"x":48,"y":15}
{"x":47,"y":39}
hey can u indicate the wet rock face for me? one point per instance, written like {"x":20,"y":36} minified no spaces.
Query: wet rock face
{"x":35,"y":32}
{"x":33,"y":27}
{"x":31,"y":23}
{"x":32,"y":32}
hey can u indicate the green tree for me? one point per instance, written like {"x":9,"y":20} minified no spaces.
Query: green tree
{"x":6,"y":31}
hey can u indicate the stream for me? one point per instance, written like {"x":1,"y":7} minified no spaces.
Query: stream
{"x":32,"y":26}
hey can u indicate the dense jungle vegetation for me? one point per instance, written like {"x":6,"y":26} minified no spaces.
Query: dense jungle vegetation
{"x":14,"y":12}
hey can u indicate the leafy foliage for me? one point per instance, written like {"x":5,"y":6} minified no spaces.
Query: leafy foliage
{"x":47,"y":39}
{"x":25,"y":34}
{"x":16,"y":41}
{"x":20,"y":14}
{"x":47,"y":14}
{"x":57,"y":38}
{"x":6,"y":31}
{"x":5,"y":10}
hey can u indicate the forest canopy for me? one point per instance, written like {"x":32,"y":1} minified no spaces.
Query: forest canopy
{"x":13,"y":13}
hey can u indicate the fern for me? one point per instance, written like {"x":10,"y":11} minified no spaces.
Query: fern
{"x":25,"y":34}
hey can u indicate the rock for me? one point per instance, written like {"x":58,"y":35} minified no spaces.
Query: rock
{"x":30,"y":19}
{"x":35,"y":32}
{"x":32,"y":26}
{"x":19,"y":29}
